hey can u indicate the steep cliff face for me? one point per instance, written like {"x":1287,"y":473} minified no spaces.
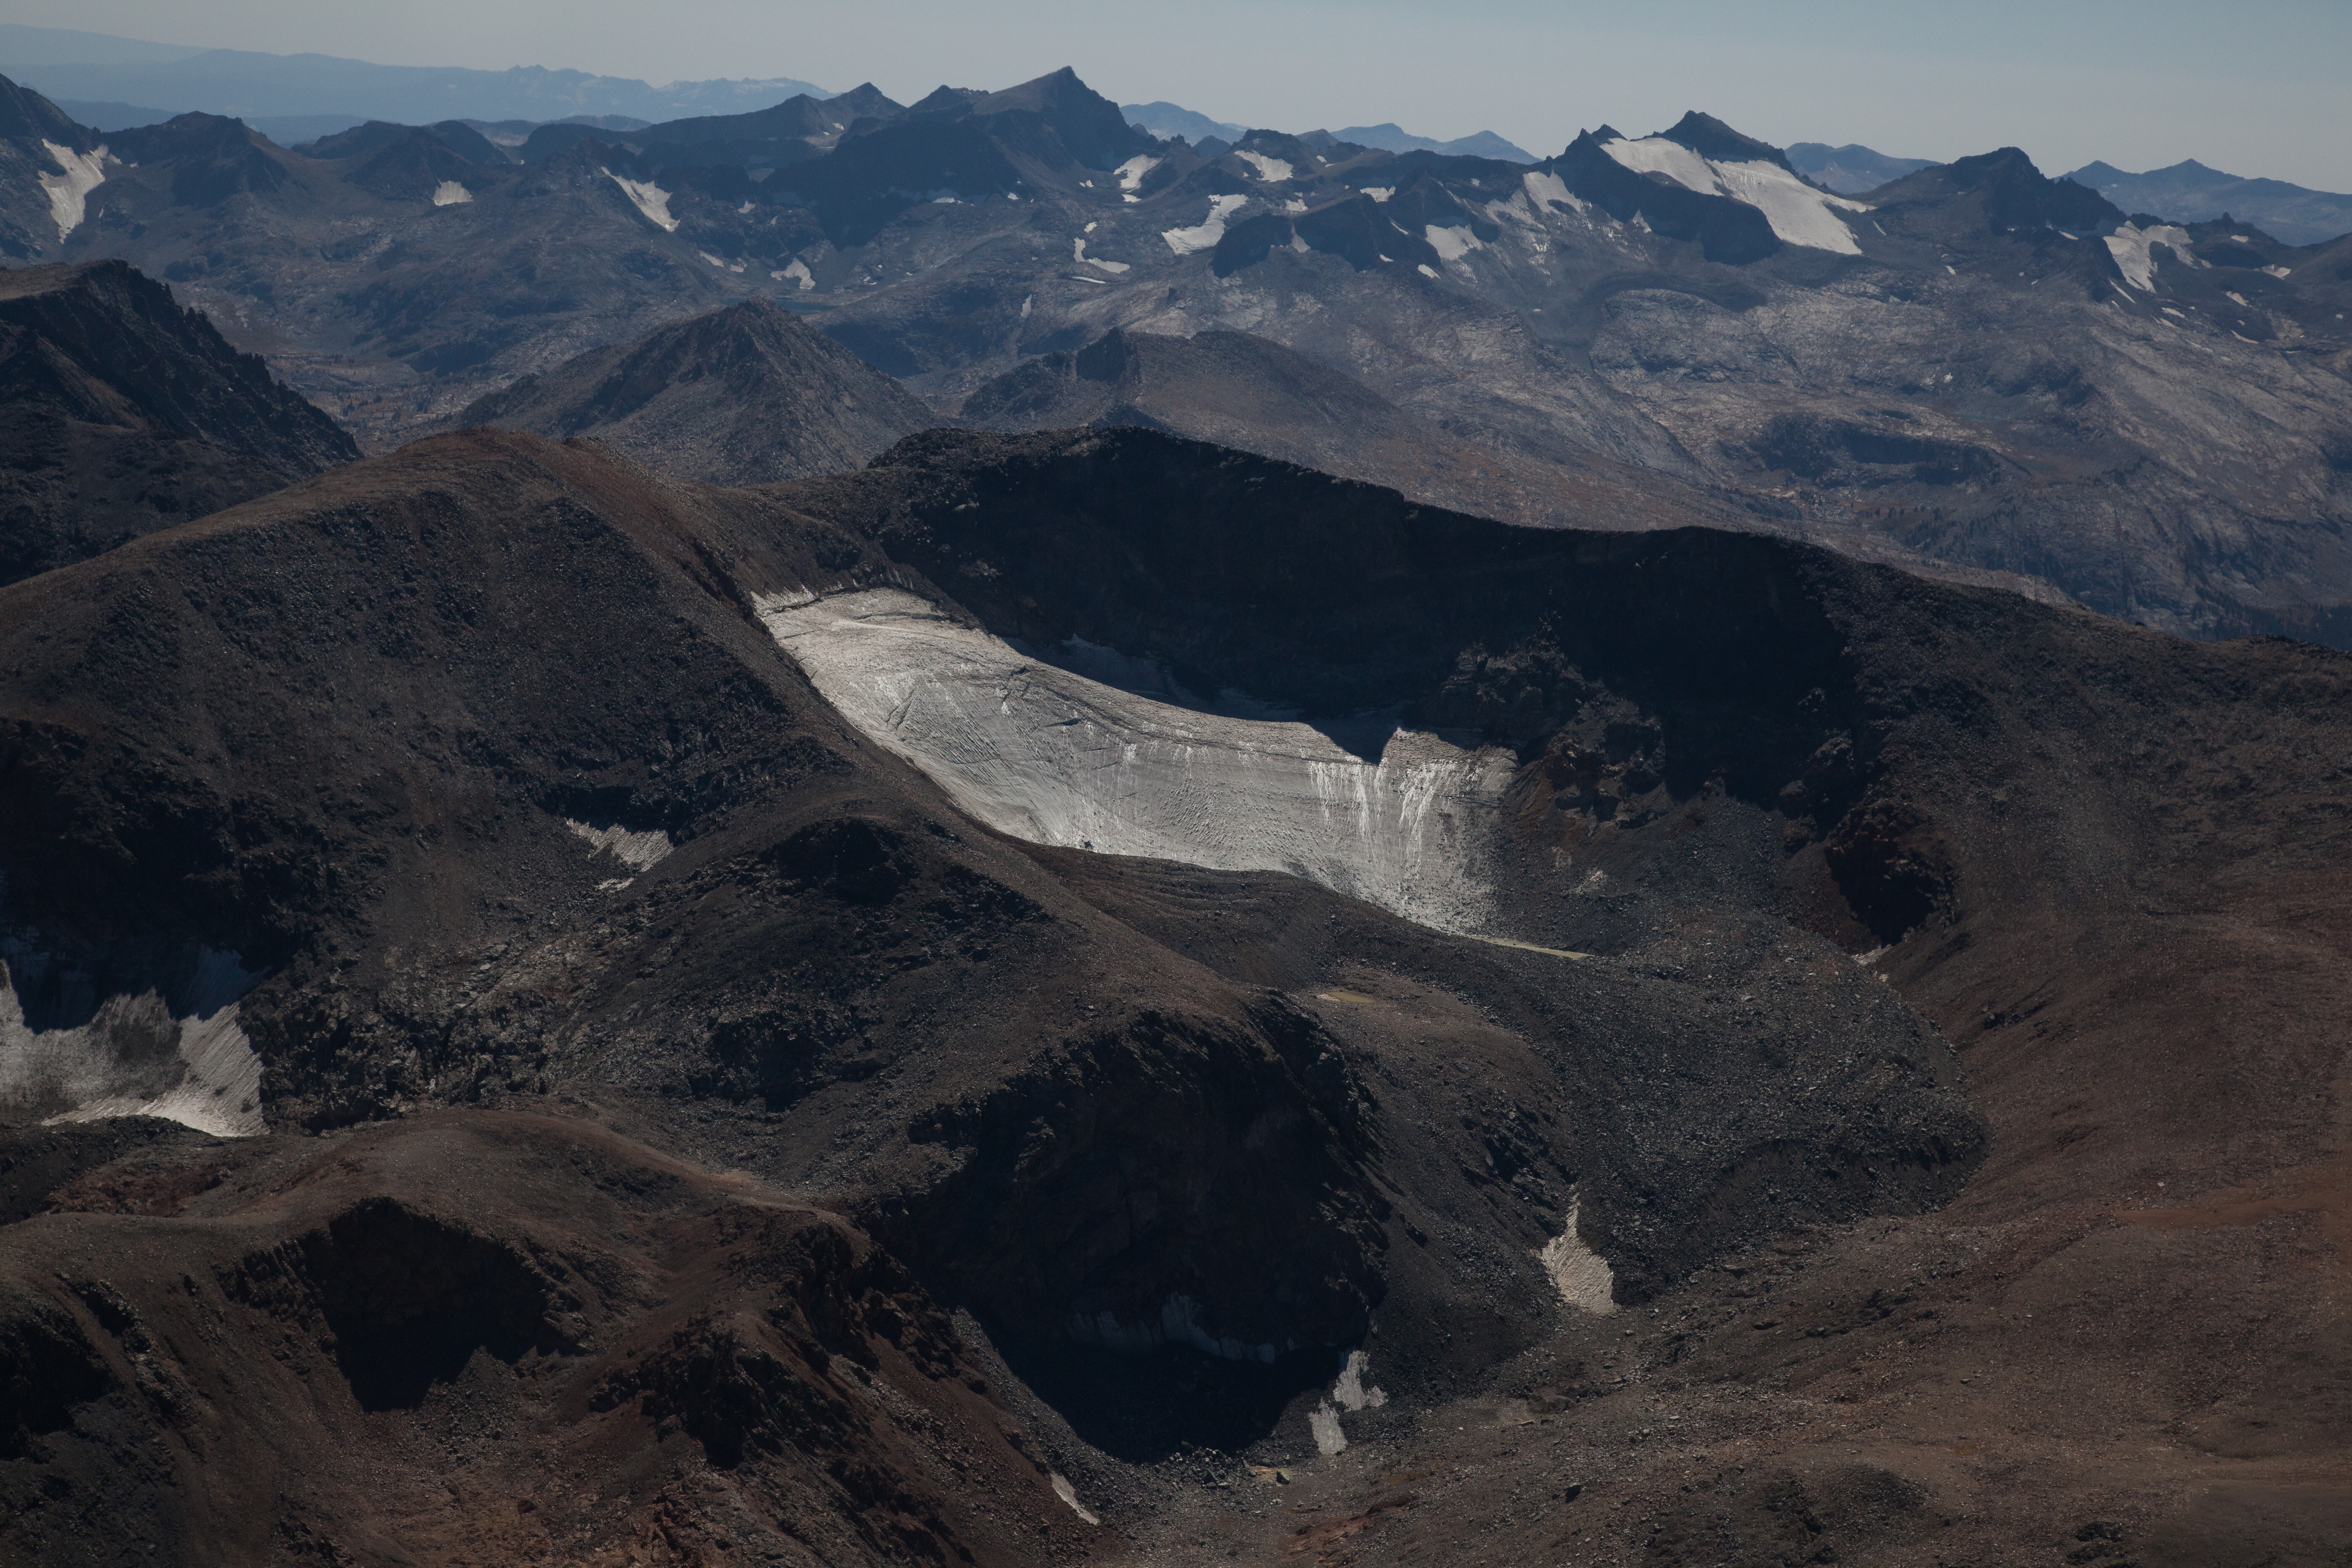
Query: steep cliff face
{"x":124,"y":414}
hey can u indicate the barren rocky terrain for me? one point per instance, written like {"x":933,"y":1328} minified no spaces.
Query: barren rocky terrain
{"x":1888,"y":1108}
{"x":983,"y":839}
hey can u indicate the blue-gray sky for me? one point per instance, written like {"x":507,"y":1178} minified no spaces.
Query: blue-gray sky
{"x":2259,"y":88}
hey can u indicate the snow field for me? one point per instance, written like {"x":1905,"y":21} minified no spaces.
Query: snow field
{"x":1799,"y":214}
{"x":1205,"y":236}
{"x":1273,"y":171}
{"x":1045,"y":753}
{"x":69,"y":193}
{"x":134,"y":1056}
{"x":2133,"y":249}
{"x":649,"y":199}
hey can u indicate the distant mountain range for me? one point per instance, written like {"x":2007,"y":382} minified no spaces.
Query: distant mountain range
{"x":2188,"y":192}
{"x":397,"y":276}
{"x":1165,"y":118}
{"x":1852,"y":168}
{"x":94,"y":71}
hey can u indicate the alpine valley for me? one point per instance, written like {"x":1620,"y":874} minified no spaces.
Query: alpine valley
{"x":948,"y":834}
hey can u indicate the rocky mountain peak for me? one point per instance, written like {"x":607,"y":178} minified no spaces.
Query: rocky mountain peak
{"x":26,"y":113}
{"x":1711,"y":137}
{"x":2011,"y":191}
{"x":1089,"y":126}
{"x":945,"y":100}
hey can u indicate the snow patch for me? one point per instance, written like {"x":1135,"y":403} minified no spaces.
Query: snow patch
{"x":2278,"y":271}
{"x":1130,"y":174}
{"x":1079,"y":252}
{"x":2133,"y":249}
{"x":1550,"y":190}
{"x":1273,"y":171}
{"x":69,"y":193}
{"x":180,"y":1056}
{"x":1026,"y":301}
{"x":1424,"y":267}
{"x":712,"y":259}
{"x":1379,"y":193}
{"x":1451,"y":244}
{"x":1349,"y":1394}
{"x":640,"y":851}
{"x":450,"y":194}
{"x":1069,"y":1494}
{"x":797,"y":274}
{"x":649,"y":198}
{"x":1095,"y":751}
{"x":1205,"y":236}
{"x":1799,"y":214}
{"x":1581,"y":1276}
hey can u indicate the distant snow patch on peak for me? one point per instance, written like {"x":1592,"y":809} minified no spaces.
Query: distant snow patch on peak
{"x":450,"y":194}
{"x":1550,"y":190}
{"x":640,"y":850}
{"x":1797,"y":213}
{"x":2133,"y":249}
{"x":1424,"y":267}
{"x":650,"y":199}
{"x":1274,"y":170}
{"x":1379,"y":193}
{"x":1027,"y":301}
{"x":1205,"y":236}
{"x":69,"y":193}
{"x":1451,"y":244}
{"x":1130,"y":174}
{"x":712,"y":259}
{"x":797,"y":274}
{"x":1079,"y":252}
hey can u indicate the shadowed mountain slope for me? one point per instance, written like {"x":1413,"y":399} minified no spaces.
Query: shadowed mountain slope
{"x":120,"y":413}
{"x":747,"y":394}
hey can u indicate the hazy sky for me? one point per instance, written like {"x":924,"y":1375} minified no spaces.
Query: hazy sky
{"x":2255,"y":87}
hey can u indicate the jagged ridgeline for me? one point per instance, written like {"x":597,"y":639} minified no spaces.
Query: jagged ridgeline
{"x":1969,"y":369}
